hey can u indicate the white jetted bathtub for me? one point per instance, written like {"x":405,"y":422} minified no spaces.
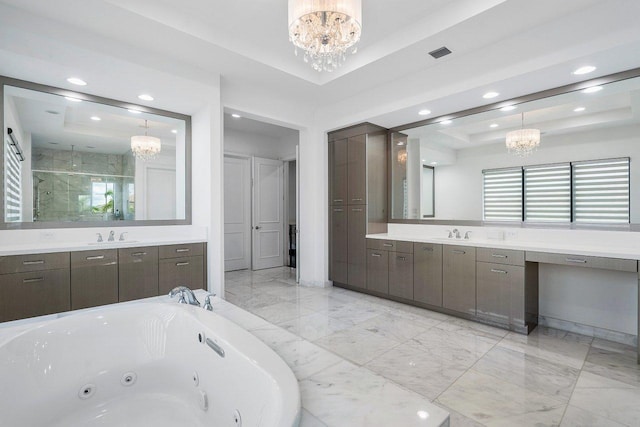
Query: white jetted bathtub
{"x":143,"y":364}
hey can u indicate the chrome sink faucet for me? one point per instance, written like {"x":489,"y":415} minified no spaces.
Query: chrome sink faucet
{"x":122,"y":236}
{"x":456,"y":233}
{"x":186,"y":295}
{"x":111,"y":236}
{"x":99,"y":237}
{"x":467,"y":235}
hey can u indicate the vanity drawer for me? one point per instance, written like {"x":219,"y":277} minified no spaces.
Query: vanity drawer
{"x":94,"y":258}
{"x":500,"y":256}
{"x":179,"y":251}
{"x":36,"y":262}
{"x":390,"y":245}
{"x":630,"y":265}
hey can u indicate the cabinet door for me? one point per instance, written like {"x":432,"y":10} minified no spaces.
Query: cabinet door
{"x":338,"y":180}
{"x":459,"y":278}
{"x":137,"y":273}
{"x":357,"y":246}
{"x":427,"y":273}
{"x":357,"y":170}
{"x":94,"y":278}
{"x":338,"y":267}
{"x":401,"y":275}
{"x":187,"y":271}
{"x":34,"y":293}
{"x":500,"y":290}
{"x":378,"y":271}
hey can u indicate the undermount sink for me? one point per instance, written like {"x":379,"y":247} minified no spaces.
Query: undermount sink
{"x":112,"y":243}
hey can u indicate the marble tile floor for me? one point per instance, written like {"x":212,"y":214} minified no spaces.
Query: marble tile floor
{"x":366,"y":361}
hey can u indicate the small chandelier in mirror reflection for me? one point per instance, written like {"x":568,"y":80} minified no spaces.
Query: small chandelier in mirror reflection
{"x":325,"y":30}
{"x":402,"y":156}
{"x":523,"y":142}
{"x":145,"y":147}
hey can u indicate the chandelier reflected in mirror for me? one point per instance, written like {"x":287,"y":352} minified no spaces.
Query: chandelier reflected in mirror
{"x":145,"y":147}
{"x":325,"y":30}
{"x":523,"y":142}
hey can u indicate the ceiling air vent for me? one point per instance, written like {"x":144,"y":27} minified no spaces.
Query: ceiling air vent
{"x":439,"y":53}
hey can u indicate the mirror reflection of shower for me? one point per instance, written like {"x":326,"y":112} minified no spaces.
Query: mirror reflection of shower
{"x":36,"y":196}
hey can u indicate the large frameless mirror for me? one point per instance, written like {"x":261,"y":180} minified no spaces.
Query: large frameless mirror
{"x":78,"y":160}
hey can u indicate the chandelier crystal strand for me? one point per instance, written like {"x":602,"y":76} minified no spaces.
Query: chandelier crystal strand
{"x":523,"y":142}
{"x":325,"y":30}
{"x":145,"y":147}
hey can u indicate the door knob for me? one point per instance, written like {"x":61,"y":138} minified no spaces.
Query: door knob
{"x":258,"y":227}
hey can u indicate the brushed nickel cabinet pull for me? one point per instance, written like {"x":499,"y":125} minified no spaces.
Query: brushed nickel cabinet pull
{"x":356,"y":210}
{"x":376,"y":255}
{"x":89,"y":258}
{"x":494,"y":270}
{"x":428,"y":249}
{"x":34,"y":280}
{"x":402,"y":258}
{"x":338,"y":200}
{"x":387,"y":245}
{"x":499,"y":256}
{"x":138,"y":254}
{"x":576,"y":260}
{"x":338,"y":210}
{"x":183,"y":250}
{"x":180,"y":264}
{"x":110,"y":263}
{"x":357,"y":200}
{"x":40,"y":261}
{"x":458,"y":252}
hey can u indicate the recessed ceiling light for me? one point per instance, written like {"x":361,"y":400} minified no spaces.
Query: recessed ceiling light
{"x":434,"y":163}
{"x":490,"y":95}
{"x":134,"y":111}
{"x":76,"y":81}
{"x":494,"y":125}
{"x":577,"y":110}
{"x":508,"y":108}
{"x":68,"y":98}
{"x":424,"y":160}
{"x":423,"y":415}
{"x":424,"y":112}
{"x":445,"y":122}
{"x":174,"y":130}
{"x":592,"y":89}
{"x":145,"y":97}
{"x":400,"y":143}
{"x":584,"y":70}
{"x":95,"y":118}
{"x":236,"y":116}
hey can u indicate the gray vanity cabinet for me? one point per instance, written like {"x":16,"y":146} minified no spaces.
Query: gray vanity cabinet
{"x":378,"y":271}
{"x":401,"y":275}
{"x":338,"y":236}
{"x":338,"y":173}
{"x":137,"y":273}
{"x":459,"y":278}
{"x":427,"y":273}
{"x":357,"y":246}
{"x":181,"y":265}
{"x":357,"y":170}
{"x":94,"y":278}
{"x":34,"y":285}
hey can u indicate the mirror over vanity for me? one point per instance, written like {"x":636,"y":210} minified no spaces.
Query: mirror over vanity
{"x":75,"y":160}
{"x":458,"y":168}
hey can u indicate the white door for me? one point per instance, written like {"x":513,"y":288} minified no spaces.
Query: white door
{"x":161,"y":193}
{"x":268,"y":218}
{"x":297,"y":214}
{"x":237,"y":213}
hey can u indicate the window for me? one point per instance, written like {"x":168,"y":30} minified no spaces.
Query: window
{"x":601,"y":191}
{"x":502,"y":194}
{"x":547,"y":193}
{"x":594,"y":191}
{"x":13,"y":184}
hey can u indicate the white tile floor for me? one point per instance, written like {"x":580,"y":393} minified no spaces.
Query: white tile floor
{"x":336,"y":341}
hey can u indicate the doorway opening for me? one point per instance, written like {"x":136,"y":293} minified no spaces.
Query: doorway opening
{"x":260,"y":195}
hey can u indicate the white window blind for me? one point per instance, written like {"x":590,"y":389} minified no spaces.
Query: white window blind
{"x":547,"y":193}
{"x":601,"y":191}
{"x":502,"y":194}
{"x":13,"y":186}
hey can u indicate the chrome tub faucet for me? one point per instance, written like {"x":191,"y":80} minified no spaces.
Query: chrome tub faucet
{"x":186,"y":295}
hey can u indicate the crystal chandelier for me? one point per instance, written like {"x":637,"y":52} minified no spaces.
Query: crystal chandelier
{"x":145,"y":147}
{"x":325,"y":30}
{"x":523,"y":142}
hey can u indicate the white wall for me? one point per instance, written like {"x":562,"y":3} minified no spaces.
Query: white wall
{"x":252,"y":144}
{"x":459,"y":186}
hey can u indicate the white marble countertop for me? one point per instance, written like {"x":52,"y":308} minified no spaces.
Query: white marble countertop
{"x":50,"y":247}
{"x":604,"y":250}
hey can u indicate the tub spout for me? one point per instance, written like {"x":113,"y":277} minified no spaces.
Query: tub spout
{"x":186,"y":295}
